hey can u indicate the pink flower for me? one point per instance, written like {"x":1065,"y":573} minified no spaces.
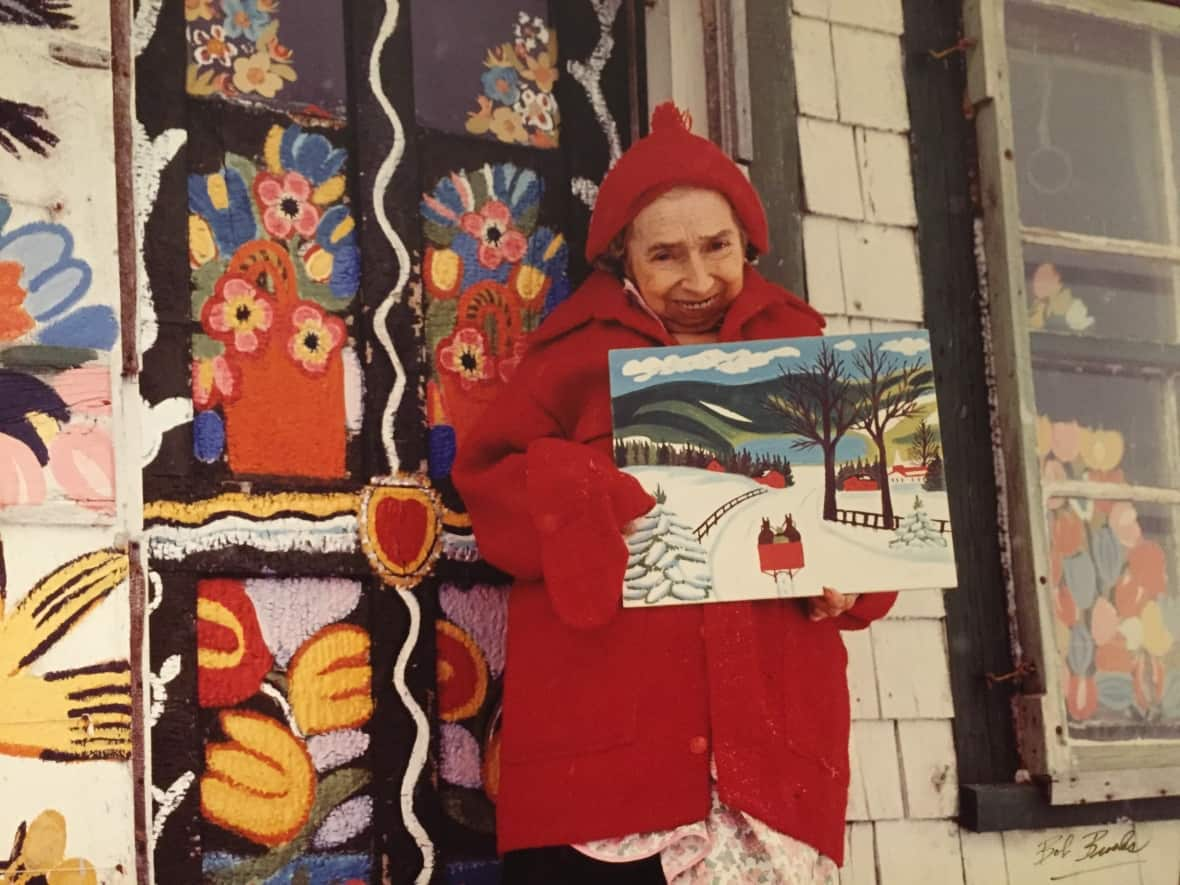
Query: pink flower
{"x":82,"y":460}
{"x":1124,"y":522}
{"x":87,"y":389}
{"x":1046,"y":282}
{"x":21,"y":481}
{"x":317,"y":336}
{"x":465,"y":354}
{"x":286,"y":204}
{"x":238,"y":314}
{"x":1067,"y":440}
{"x":492,"y":227}
{"x":213,"y":380}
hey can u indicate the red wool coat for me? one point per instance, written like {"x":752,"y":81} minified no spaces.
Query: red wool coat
{"x":610,"y":715}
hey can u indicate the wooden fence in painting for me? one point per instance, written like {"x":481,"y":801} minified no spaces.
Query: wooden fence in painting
{"x":715,"y":517}
{"x":877,"y":520}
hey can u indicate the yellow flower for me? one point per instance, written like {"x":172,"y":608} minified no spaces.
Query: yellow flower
{"x":1156,"y":638}
{"x":260,"y":783}
{"x":257,"y":73}
{"x":1102,"y":449}
{"x":530,"y":282}
{"x":40,"y":850}
{"x":196,"y":9}
{"x":506,"y":125}
{"x":330,"y":680}
{"x":1044,"y":435}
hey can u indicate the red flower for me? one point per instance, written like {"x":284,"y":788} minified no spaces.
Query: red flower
{"x":498,"y":240}
{"x":286,"y":204}
{"x":232,"y":657}
{"x":238,"y":314}
{"x":1148,"y":566}
{"x":465,"y":354}
{"x":317,"y":336}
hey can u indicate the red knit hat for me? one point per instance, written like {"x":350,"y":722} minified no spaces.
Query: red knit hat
{"x":670,"y":156}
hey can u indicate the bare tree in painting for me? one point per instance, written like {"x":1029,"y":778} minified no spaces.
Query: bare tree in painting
{"x":819,"y":404}
{"x":891,"y":391}
{"x":924,"y":444}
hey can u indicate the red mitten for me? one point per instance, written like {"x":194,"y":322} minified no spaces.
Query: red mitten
{"x":572,"y":492}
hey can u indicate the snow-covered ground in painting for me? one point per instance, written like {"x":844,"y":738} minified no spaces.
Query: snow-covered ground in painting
{"x":850,"y":558}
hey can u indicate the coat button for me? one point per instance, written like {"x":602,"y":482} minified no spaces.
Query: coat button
{"x":698,"y":745}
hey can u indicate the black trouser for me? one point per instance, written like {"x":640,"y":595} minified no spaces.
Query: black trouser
{"x":563,"y":865}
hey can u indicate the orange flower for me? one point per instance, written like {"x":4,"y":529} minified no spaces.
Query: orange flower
{"x":14,"y":319}
{"x":1068,"y":533}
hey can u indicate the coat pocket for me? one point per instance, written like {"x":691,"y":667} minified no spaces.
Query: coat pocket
{"x":567,"y":691}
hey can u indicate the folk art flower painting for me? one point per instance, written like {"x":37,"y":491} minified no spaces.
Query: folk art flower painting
{"x":275,"y":265}
{"x":234,"y":48}
{"x":55,"y":389}
{"x":284,"y":682}
{"x":1117,"y":617}
{"x":491,"y":273}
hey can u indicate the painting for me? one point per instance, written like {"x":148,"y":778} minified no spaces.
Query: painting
{"x":288,"y":56}
{"x":66,"y":705}
{"x":275,"y":266}
{"x":782,"y":467}
{"x":283,"y":687}
{"x":492,"y":272}
{"x":494,"y":77}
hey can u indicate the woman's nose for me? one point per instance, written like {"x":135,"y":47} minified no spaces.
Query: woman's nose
{"x":696,"y":275}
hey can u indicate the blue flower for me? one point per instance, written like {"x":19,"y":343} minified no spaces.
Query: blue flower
{"x":223,"y":200}
{"x":311,"y":155}
{"x":55,"y":282}
{"x":336,"y":235}
{"x":502,"y":85}
{"x":243,"y":18}
{"x":208,"y":436}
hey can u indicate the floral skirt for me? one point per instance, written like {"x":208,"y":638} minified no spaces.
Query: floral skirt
{"x":727,"y":848}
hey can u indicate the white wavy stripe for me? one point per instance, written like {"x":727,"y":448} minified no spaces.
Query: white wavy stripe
{"x":417,"y":760}
{"x":335,"y":535}
{"x":381,"y":182}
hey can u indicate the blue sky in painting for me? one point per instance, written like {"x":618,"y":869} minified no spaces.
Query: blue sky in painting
{"x":747,"y":361}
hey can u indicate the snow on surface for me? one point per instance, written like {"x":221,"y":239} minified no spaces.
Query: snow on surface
{"x":852,"y":559}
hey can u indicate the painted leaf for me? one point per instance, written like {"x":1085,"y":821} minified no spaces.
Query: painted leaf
{"x":1109,"y":556}
{"x":1081,"y":579}
{"x":1081,"y":651}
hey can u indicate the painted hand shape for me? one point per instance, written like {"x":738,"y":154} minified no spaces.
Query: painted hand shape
{"x":68,"y":715}
{"x":19,"y":124}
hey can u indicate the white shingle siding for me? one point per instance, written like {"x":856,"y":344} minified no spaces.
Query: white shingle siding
{"x":910,"y":852}
{"x":928,"y":769}
{"x":815,"y":72}
{"x":831,"y":177}
{"x":912,"y":674}
{"x":869,"y":84}
{"x":887,"y":188}
{"x":877,"y":15}
{"x":880,"y":270}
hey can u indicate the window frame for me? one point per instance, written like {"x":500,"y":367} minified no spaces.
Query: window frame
{"x":1075,"y":771}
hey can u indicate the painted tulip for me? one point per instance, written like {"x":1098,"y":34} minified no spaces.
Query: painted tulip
{"x":232,"y":657}
{"x":260,"y":783}
{"x":330,"y":680}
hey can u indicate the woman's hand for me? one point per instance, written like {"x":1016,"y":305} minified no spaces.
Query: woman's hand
{"x":832,"y":604}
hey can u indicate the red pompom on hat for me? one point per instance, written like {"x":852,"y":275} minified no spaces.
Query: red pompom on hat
{"x":670,"y":156}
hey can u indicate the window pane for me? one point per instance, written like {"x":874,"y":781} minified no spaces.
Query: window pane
{"x":1100,"y":427}
{"x":1117,"y":617}
{"x":1103,"y":296}
{"x":1084,"y":110}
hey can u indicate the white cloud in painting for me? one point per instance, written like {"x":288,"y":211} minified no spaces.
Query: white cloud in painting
{"x":726,"y":413}
{"x":728,"y":362}
{"x":846,"y":344}
{"x":907,"y":346}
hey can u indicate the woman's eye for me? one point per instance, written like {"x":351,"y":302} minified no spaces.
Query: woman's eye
{"x":719,"y":245}
{"x":661,"y":256}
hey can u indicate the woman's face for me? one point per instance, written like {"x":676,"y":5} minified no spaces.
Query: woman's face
{"x":686,"y":254}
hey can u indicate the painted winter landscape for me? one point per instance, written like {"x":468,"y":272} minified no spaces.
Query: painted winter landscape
{"x":782,"y":467}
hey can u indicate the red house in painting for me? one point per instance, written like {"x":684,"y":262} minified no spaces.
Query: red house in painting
{"x":772,"y":478}
{"x":715,"y":466}
{"x":860,"y":484}
{"x":907,"y":473}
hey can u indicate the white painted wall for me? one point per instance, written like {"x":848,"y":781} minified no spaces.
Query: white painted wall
{"x":73,"y":185}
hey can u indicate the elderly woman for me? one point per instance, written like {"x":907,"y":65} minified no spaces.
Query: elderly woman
{"x":680,"y":743}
